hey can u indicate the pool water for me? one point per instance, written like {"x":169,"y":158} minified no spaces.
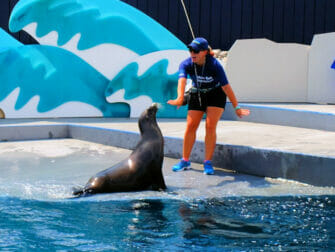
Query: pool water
{"x":227,"y":211}
{"x":234,"y":223}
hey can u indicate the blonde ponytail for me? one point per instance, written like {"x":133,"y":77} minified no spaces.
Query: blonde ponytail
{"x":210,"y":51}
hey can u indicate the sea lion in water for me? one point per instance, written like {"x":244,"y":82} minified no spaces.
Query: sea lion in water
{"x":142,"y":170}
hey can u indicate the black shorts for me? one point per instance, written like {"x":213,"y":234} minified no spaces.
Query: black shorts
{"x":214,"y":98}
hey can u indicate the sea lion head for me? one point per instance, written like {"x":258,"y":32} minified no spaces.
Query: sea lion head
{"x":148,"y":118}
{"x":150,"y":112}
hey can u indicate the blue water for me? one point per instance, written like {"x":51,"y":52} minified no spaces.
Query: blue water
{"x":222,"y":224}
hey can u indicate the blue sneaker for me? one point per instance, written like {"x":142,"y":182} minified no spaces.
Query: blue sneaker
{"x":208,"y":168}
{"x":182,"y":165}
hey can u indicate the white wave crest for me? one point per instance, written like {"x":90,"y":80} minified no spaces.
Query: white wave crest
{"x":136,"y":105}
{"x":69,"y":109}
{"x":174,"y":58}
{"x":107,"y":58}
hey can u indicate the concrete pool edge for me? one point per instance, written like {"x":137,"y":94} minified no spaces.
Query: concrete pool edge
{"x":278,"y":115}
{"x":311,"y":169}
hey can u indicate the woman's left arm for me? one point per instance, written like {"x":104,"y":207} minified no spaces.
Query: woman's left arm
{"x":232,"y":98}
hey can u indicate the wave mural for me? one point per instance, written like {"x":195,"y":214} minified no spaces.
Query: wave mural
{"x":7,"y":41}
{"x":92,"y":54}
{"x":98,"y":22}
{"x":56,"y":77}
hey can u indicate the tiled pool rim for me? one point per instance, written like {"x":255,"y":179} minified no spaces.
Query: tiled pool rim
{"x":310,"y":169}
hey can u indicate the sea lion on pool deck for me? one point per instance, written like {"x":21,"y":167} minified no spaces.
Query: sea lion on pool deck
{"x":142,"y":170}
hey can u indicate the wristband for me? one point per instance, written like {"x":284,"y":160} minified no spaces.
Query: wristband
{"x":237,"y":107}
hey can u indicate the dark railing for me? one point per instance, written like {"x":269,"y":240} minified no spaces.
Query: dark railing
{"x":224,"y":21}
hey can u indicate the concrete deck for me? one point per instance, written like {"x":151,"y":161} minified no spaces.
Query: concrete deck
{"x":262,"y":149}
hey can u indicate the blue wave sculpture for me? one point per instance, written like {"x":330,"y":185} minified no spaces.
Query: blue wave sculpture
{"x":98,"y":21}
{"x":60,"y":75}
{"x":56,"y":76}
{"x":7,"y":41}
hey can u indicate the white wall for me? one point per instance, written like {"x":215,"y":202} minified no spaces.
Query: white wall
{"x":260,"y":70}
{"x":321,"y":77}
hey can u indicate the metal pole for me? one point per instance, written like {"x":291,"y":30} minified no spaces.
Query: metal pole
{"x":188,"y":19}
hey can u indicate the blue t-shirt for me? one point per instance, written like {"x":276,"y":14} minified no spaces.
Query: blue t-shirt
{"x":210,"y":75}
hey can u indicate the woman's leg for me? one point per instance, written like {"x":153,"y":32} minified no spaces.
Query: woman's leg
{"x":213,"y":116}
{"x":193,"y":120}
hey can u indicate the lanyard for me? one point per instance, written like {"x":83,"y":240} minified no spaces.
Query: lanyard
{"x":196,"y":80}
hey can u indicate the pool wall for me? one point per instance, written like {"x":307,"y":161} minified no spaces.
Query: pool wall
{"x":269,"y":114}
{"x":311,"y":169}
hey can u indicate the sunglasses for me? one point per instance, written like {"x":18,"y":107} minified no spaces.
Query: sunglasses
{"x":193,"y":50}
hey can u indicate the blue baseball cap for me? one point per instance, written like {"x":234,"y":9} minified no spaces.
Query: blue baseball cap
{"x":198,"y":44}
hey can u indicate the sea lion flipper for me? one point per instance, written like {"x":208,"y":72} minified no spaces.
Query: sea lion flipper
{"x":159,"y":184}
{"x":77,"y":191}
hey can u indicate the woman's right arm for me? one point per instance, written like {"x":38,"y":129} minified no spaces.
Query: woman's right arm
{"x":181,"y":90}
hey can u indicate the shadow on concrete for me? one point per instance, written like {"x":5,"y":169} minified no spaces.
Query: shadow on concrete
{"x":233,"y":177}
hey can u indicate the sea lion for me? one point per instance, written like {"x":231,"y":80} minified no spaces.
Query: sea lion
{"x":142,"y":170}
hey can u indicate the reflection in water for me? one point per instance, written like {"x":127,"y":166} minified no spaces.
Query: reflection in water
{"x":288,"y":223}
{"x":148,"y":225}
{"x":199,"y":222}
{"x":256,"y":223}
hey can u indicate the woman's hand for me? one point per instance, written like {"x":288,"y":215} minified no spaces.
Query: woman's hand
{"x":177,"y":102}
{"x":242,"y":112}
{"x":181,"y":91}
{"x":230,"y":93}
